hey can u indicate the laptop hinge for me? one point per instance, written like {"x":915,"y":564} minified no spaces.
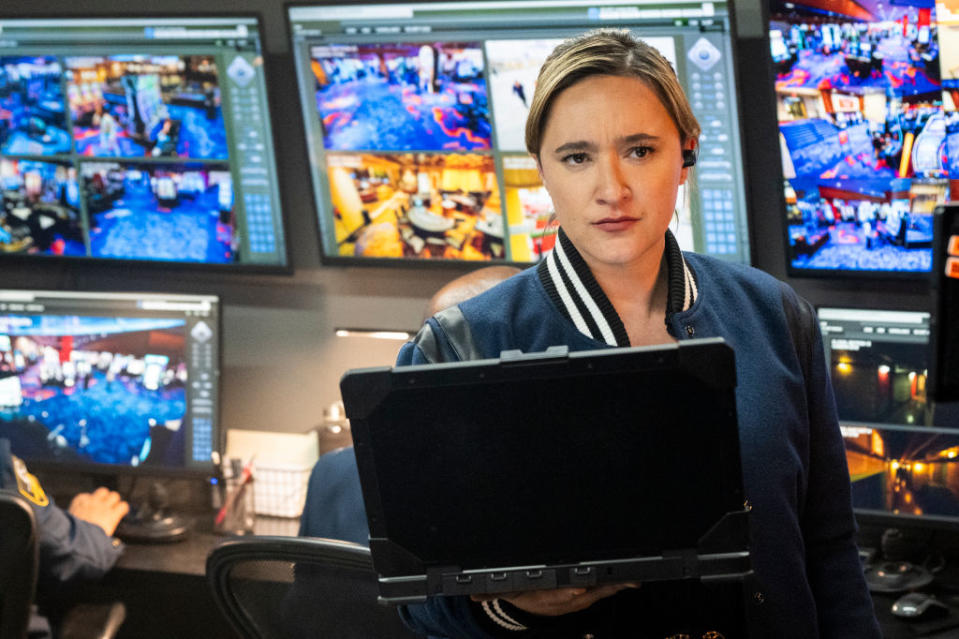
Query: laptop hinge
{"x":689,"y":561}
{"x":518,"y":357}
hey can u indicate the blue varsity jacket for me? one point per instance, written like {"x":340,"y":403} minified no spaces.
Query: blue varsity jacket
{"x":808,"y":578}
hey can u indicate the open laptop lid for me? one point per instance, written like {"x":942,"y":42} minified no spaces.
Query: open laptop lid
{"x":591,"y":465}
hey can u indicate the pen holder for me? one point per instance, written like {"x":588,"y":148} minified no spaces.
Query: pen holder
{"x":237,"y":515}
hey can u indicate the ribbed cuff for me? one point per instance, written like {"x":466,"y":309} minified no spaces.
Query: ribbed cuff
{"x":503,"y":619}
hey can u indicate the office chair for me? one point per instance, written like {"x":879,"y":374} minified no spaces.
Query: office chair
{"x":18,"y":564}
{"x":298,"y":587}
{"x":18,"y":581}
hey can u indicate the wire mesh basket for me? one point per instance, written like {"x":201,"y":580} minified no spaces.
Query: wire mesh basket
{"x":280,"y":491}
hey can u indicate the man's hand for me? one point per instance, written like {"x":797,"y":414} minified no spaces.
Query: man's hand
{"x":102,"y":507}
{"x":561,"y":601}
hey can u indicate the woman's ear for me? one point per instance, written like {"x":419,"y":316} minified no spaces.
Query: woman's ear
{"x":689,"y":159}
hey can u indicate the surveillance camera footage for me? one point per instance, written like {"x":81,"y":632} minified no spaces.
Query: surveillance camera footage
{"x":138,"y":139}
{"x":108,"y":390}
{"x":402,"y":96}
{"x":903,"y":472}
{"x":136,"y":105}
{"x":867,"y":131}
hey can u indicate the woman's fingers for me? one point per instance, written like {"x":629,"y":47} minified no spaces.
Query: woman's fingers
{"x":559,"y":601}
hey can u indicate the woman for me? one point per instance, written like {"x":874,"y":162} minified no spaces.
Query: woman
{"x":613,"y":137}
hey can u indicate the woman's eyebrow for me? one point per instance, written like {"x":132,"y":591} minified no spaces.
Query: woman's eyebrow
{"x":574,"y":147}
{"x":578,"y":146}
{"x":636,"y":138}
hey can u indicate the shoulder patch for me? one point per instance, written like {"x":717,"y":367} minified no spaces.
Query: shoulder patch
{"x":28,"y":485}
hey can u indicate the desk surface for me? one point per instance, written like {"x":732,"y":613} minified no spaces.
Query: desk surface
{"x":188,"y":556}
{"x":941,"y":627}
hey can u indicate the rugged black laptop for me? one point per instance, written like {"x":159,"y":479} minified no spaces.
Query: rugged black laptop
{"x":551,"y":469}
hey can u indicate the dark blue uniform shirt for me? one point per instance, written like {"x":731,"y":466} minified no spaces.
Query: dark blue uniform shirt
{"x":70,"y":548}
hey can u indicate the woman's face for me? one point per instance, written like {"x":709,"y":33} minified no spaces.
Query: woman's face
{"x":611,"y":159}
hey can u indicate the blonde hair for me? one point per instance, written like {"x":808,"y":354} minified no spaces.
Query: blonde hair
{"x":607,"y":52}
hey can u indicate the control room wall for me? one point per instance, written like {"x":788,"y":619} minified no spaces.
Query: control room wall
{"x":281,"y":362}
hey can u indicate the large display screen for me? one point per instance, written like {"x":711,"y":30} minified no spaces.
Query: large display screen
{"x":110,"y":381}
{"x":415,"y":118}
{"x":867,"y":97}
{"x":138,"y":139}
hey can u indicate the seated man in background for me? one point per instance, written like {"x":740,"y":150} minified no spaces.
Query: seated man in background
{"x":467,"y":286}
{"x":74,"y":544}
{"x":334,"y":502}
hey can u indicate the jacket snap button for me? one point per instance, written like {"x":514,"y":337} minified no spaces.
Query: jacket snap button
{"x":759,"y":597}
{"x":690,"y":330}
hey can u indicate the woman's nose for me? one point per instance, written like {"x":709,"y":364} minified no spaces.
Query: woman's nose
{"x":612,"y":187}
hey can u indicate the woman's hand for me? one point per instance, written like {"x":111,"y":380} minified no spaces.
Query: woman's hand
{"x":561,"y":601}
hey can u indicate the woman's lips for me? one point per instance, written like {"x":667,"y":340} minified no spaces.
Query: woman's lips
{"x":615,"y":224}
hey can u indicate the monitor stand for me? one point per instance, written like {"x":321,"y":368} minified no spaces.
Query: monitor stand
{"x":151,"y":521}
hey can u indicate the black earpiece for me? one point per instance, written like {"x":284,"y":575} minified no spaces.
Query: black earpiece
{"x":689,"y":158}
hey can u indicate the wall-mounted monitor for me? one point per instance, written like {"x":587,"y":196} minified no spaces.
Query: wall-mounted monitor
{"x":145,"y":139}
{"x":867,"y":100}
{"x":878,"y":362}
{"x":415,"y":115}
{"x":110,"y":382}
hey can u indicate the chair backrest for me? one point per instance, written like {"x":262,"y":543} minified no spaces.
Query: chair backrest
{"x":296,"y":587}
{"x":18,"y":564}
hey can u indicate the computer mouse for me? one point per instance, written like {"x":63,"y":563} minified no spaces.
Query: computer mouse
{"x":915,"y":605}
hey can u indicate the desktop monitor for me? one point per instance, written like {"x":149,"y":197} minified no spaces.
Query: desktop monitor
{"x":146,"y":139}
{"x":867,"y":100}
{"x":878,"y":362}
{"x":415,"y":114}
{"x":904,"y":474}
{"x":902,"y":451}
{"x":110,"y":383}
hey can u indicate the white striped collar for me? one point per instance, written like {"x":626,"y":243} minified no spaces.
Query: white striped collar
{"x":579,"y":297}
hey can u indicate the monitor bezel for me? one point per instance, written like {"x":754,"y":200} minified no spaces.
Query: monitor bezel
{"x":867,"y":517}
{"x":195,"y":471}
{"x":468,"y":265}
{"x":272,"y":100}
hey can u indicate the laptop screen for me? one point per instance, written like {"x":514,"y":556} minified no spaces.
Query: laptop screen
{"x":482,"y":464}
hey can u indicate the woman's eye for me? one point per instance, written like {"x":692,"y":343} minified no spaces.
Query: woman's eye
{"x":575,"y":158}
